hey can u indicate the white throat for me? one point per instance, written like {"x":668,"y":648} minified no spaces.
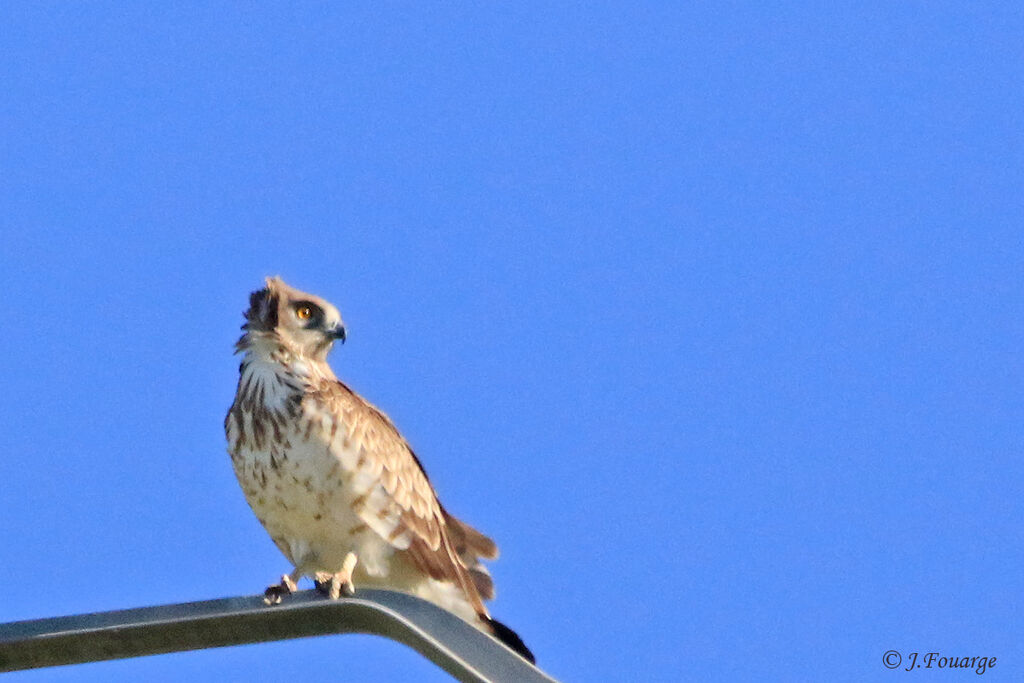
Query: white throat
{"x":271,"y":372}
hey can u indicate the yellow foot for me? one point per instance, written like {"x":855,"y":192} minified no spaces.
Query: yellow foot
{"x":336,"y":585}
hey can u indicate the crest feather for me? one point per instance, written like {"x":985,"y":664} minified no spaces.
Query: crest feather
{"x":262,"y":313}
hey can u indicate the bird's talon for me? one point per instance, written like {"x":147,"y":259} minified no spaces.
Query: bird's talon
{"x":334,"y":585}
{"x":275,"y":593}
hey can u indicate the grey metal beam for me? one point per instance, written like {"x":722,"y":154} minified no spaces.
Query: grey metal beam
{"x":455,"y":646}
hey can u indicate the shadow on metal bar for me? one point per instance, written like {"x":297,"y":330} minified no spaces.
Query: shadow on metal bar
{"x":452,"y":644}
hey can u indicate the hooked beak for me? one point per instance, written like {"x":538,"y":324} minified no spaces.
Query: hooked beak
{"x":338,"y":333}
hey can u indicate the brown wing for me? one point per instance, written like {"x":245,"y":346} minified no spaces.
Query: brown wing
{"x":399,"y":502}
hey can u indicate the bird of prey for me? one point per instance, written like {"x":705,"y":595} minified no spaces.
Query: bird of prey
{"x":338,"y":489}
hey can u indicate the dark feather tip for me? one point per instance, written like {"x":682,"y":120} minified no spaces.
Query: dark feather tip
{"x":510,"y":638}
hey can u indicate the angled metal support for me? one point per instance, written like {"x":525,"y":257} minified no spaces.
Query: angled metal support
{"x":452,"y":644}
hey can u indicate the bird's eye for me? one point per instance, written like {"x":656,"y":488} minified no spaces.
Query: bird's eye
{"x":304,"y":312}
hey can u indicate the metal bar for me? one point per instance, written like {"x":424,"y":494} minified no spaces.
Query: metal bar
{"x":455,"y":646}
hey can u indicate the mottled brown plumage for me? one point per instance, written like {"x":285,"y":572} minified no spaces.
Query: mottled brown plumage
{"x":330,"y":477}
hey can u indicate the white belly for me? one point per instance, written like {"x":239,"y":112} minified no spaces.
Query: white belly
{"x":319,"y":496}
{"x":304,"y":495}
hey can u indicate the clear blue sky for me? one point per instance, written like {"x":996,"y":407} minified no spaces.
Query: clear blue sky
{"x":711,"y":315}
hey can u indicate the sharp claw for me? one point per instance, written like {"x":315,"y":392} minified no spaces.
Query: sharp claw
{"x":337,"y":584}
{"x":341,"y":586}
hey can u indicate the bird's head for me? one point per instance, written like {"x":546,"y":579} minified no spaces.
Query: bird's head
{"x":305,"y":324}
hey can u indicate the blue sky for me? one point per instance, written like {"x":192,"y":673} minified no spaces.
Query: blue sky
{"x":710,"y":314}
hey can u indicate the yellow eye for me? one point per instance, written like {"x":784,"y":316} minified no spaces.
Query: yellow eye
{"x":304,"y":312}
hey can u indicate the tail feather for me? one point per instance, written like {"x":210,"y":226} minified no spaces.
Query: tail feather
{"x":510,"y":638}
{"x":471,"y":546}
